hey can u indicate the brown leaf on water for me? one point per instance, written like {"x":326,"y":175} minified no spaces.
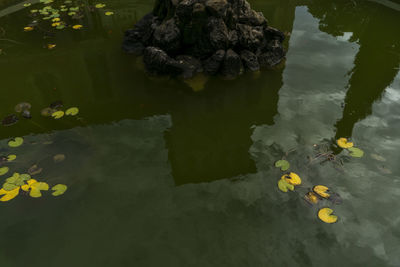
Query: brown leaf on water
{"x":59,"y":158}
{"x":34,"y":169}
{"x":10,"y":120}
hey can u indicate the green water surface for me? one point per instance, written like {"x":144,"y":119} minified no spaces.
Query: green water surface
{"x":160,"y":173}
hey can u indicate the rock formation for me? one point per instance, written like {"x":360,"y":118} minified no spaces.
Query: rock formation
{"x":183,"y":37}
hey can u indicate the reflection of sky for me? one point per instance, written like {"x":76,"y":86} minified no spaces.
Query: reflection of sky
{"x":315,"y":78}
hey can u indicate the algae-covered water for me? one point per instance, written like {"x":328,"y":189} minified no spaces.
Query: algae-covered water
{"x":162,"y":172}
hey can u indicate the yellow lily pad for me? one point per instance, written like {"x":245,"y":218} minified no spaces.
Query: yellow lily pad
{"x":27,"y":186}
{"x":16,"y":142}
{"x":342,"y":142}
{"x":100,"y":5}
{"x":326,"y":216}
{"x":321,"y":190}
{"x":4,"y":170}
{"x":56,"y":20}
{"x":292,"y":178}
{"x":59,"y":189}
{"x":109,"y":13}
{"x":35,"y":188}
{"x":11,"y":157}
{"x":8,"y":195}
{"x":55,"y":24}
{"x":77,"y":27}
{"x":311,"y":198}
{"x":27,"y":4}
{"x":284,"y":186}
{"x":58,"y":114}
{"x":72,"y":111}
{"x":51,"y":46}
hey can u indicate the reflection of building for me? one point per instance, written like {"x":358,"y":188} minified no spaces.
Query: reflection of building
{"x":376,"y":29}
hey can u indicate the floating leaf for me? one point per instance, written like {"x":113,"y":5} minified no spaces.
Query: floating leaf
{"x":109,"y":13}
{"x":8,"y":195}
{"x":74,"y":8}
{"x":68,"y":1}
{"x":283,"y":164}
{"x":292,"y":178}
{"x":9,"y":186}
{"x":56,"y":19}
{"x":33,"y":170}
{"x":335,"y":198}
{"x":27,"y":186}
{"x":28,"y":29}
{"x":64,"y":9}
{"x":72,"y":111}
{"x":311,"y":198}
{"x":46,"y":112}
{"x":51,"y":46}
{"x":355,"y":152}
{"x":58,"y":114}
{"x":11,"y":157}
{"x":71,"y":13}
{"x":59,"y":189}
{"x":284,"y":186}
{"x":22,"y":106}
{"x":16,"y":142}
{"x":321,"y":190}
{"x":100,"y":5}
{"x":27,"y":4}
{"x":16,"y":179}
{"x":59,"y":158}
{"x":34,"y":11}
{"x":4,"y":170}
{"x":9,"y":120}
{"x":46,"y":18}
{"x":25,"y":177}
{"x":37,"y":187}
{"x":60,"y":27}
{"x":77,"y":27}
{"x":326,"y":216}
{"x":55,"y":24}
{"x":342,"y":142}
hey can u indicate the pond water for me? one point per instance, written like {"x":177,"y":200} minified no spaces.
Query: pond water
{"x":162,"y":172}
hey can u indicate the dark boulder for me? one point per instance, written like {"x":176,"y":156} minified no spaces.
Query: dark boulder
{"x":167,"y":36}
{"x":250,"y":60}
{"x":182,"y":37}
{"x":189,"y":65}
{"x":217,"y":8}
{"x":232,"y":64}
{"x":213,"y":64}
{"x":157,"y":61}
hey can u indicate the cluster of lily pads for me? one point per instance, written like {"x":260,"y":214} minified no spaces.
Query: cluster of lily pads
{"x":55,"y":110}
{"x":60,"y":16}
{"x":12,"y":185}
{"x":319,"y":192}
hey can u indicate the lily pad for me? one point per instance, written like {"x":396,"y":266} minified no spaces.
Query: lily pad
{"x":59,"y":189}
{"x":72,"y":111}
{"x":109,"y":13}
{"x":27,"y":4}
{"x":28,"y":29}
{"x":36,"y":189}
{"x":284,"y":186}
{"x":58,"y":114}
{"x":9,"y":187}
{"x":46,"y":112}
{"x":10,"y":120}
{"x":8,"y":195}
{"x":311,"y":198}
{"x":34,"y":170}
{"x":4,"y":170}
{"x":59,"y":158}
{"x":16,"y":179}
{"x":283,"y":164}
{"x":292,"y":178}
{"x":11,"y":157}
{"x":77,"y":27}
{"x":60,"y":27}
{"x":16,"y":142}
{"x":22,"y":106}
{"x":377,"y":157}
{"x":343,"y":143}
{"x":355,"y":152}
{"x":325,"y":215}
{"x":321,"y":190}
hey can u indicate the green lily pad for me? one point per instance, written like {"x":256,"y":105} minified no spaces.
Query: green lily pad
{"x":355,"y":152}
{"x":37,"y":187}
{"x":283,"y":164}
{"x":284,"y":186}
{"x":72,"y":111}
{"x":64,"y":9}
{"x":71,"y":13}
{"x":3,"y":170}
{"x":16,"y":179}
{"x":74,"y":8}
{"x":34,"y":170}
{"x":25,"y":177}
{"x":11,"y":157}
{"x":16,"y":142}
{"x":60,"y":27}
{"x":9,"y":187}
{"x":59,"y":189}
